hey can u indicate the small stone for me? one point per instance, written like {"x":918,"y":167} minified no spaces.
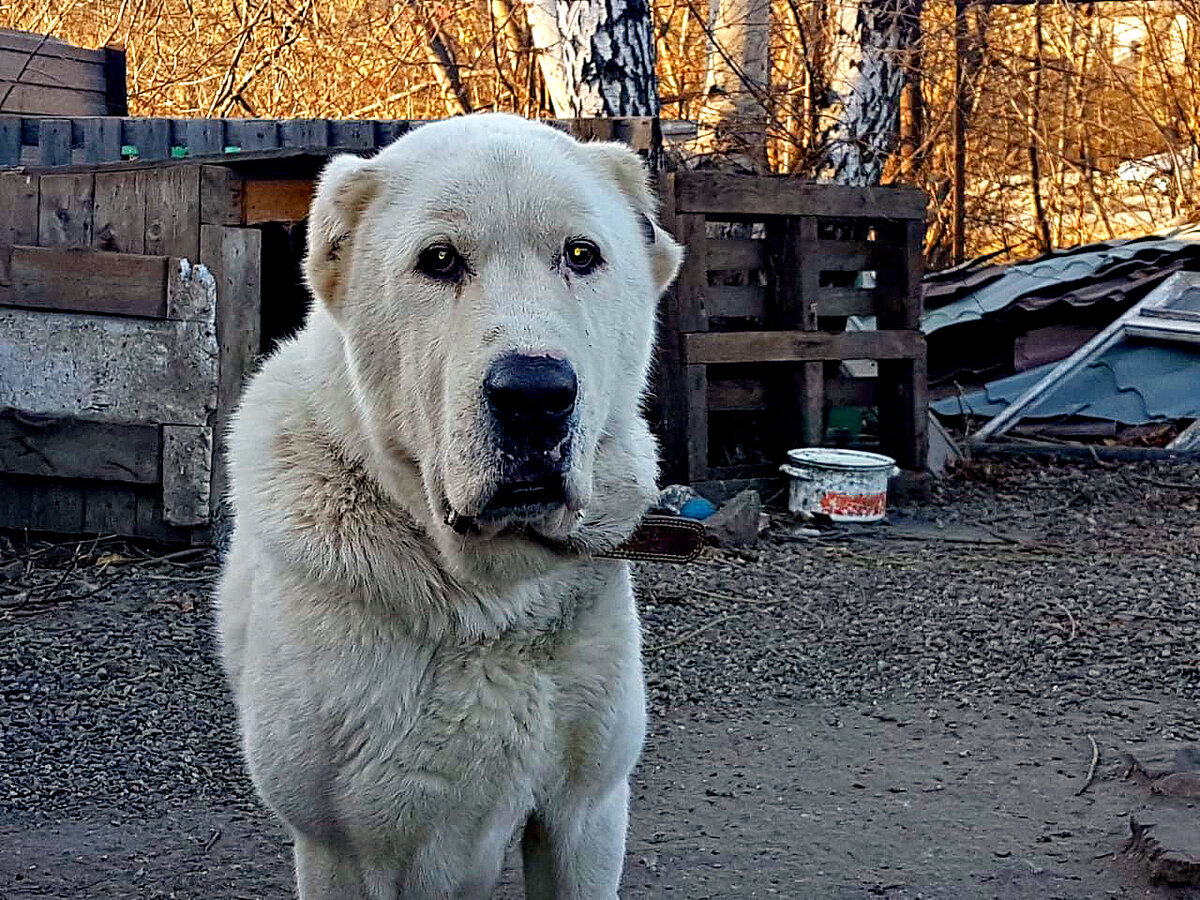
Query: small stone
{"x":736,"y":523}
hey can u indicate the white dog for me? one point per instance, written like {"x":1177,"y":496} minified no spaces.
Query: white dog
{"x":425,"y":652}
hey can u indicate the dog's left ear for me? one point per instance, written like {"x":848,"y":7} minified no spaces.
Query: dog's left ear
{"x":629,"y":172}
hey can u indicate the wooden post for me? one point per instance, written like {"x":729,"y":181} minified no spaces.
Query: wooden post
{"x":54,"y":142}
{"x":18,"y":219}
{"x":116,"y":94}
{"x":234,"y":256}
{"x":688,"y":417}
{"x":903,"y":395}
{"x":799,"y":395}
{"x":10,"y":140}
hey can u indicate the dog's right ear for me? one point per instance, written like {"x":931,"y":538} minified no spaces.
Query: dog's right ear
{"x":345,"y":189}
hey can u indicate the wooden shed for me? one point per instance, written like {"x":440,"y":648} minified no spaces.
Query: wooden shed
{"x":136,"y":295}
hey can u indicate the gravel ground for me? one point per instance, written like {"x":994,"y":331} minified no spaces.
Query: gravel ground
{"x":896,"y":711}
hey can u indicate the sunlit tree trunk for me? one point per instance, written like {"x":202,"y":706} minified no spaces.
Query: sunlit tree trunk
{"x":871,"y":43}
{"x":597,"y":58}
{"x":733,"y":120}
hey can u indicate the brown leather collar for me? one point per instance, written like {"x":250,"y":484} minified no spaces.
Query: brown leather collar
{"x":662,"y":539}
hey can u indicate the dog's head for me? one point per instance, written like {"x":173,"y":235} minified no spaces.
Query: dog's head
{"x":495,"y":285}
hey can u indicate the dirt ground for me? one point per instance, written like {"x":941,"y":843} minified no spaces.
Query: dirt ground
{"x":901,"y":711}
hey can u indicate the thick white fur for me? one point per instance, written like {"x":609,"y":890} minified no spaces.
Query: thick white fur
{"x":410,"y":698}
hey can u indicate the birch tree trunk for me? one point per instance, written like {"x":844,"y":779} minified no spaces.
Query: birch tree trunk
{"x":597,"y":56}
{"x":733,"y":120}
{"x":872,"y":40}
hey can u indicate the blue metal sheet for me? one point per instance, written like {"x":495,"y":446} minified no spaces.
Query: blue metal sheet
{"x":1133,"y":383}
{"x":1057,"y":274}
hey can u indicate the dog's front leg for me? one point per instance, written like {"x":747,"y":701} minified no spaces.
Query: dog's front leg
{"x":326,"y":872}
{"x":576,"y":851}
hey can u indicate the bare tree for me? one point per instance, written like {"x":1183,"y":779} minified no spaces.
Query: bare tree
{"x":872,"y":40}
{"x":733,"y":119}
{"x":597,"y":57}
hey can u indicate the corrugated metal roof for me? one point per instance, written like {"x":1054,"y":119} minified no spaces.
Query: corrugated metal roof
{"x":1082,"y":276}
{"x":1133,"y":382}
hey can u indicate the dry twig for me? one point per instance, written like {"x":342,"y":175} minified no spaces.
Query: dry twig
{"x":1092,"y":768}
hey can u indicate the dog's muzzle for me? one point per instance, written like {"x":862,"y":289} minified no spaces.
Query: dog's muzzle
{"x":530,"y":401}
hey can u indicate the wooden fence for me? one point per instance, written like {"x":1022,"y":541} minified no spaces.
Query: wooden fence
{"x":42,"y":142}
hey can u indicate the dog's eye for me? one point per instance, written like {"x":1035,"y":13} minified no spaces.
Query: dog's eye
{"x":440,"y":261}
{"x":582,"y":256}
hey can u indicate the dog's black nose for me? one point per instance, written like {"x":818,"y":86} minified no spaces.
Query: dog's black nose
{"x":535,"y":390}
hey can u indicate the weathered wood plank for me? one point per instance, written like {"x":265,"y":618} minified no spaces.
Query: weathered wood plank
{"x":119,"y":212}
{"x":54,"y":142}
{"x":185,"y":300}
{"x":71,"y":448}
{"x":349,"y":134}
{"x":234,"y":256}
{"x":732,"y":394}
{"x":904,"y":408}
{"x":696,"y":385}
{"x":150,"y":137}
{"x":65,"y":211}
{"x":100,"y":138}
{"x":203,"y":137}
{"x":50,"y":71}
{"x":691,"y":285}
{"x":18,"y":218}
{"x":26,"y":42}
{"x":899,"y":271}
{"x":104,"y":368}
{"x":88,"y":281}
{"x":736,"y":301}
{"x":187,"y":453}
{"x":252,"y":134}
{"x":221,"y":199}
{"x":744,"y":394}
{"x":844,"y":256}
{"x":668,"y":373}
{"x":836,"y":301}
{"x":800,"y":346}
{"x":151,"y":520}
{"x":793,"y":304}
{"x":736,"y":254}
{"x":852,"y":391}
{"x":279,"y":200}
{"x":43,"y":100}
{"x":10,"y":141}
{"x":304,"y":134}
{"x":56,"y":506}
{"x":752,"y":196}
{"x":173,"y":211}
{"x":116,"y":93}
{"x":110,"y":509}
{"x":15,"y":496}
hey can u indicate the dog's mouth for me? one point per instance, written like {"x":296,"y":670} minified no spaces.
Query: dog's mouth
{"x":515,"y":506}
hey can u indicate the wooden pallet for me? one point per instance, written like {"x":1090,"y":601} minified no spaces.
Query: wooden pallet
{"x":760,"y":340}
